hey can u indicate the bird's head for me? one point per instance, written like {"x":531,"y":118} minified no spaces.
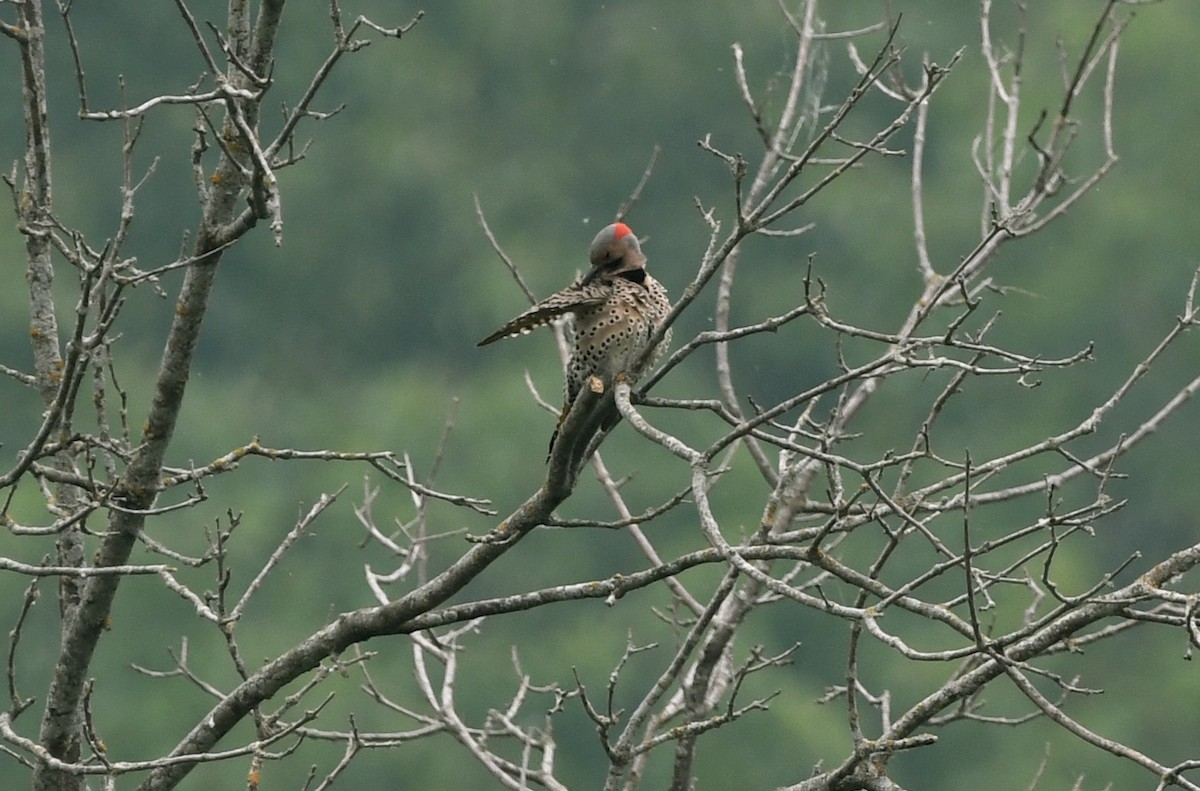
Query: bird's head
{"x":615,"y":252}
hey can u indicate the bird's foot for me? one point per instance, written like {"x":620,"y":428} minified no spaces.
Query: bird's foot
{"x":596,"y":384}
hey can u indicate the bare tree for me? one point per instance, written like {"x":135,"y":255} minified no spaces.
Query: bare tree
{"x":891,"y":545}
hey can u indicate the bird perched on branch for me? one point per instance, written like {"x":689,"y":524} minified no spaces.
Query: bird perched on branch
{"x":614,"y":309}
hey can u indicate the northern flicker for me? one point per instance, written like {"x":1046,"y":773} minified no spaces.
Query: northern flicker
{"x":614,"y":308}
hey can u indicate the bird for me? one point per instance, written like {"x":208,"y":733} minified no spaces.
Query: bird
{"x":613,"y":309}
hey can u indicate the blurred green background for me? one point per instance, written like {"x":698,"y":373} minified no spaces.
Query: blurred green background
{"x":359,"y":333}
